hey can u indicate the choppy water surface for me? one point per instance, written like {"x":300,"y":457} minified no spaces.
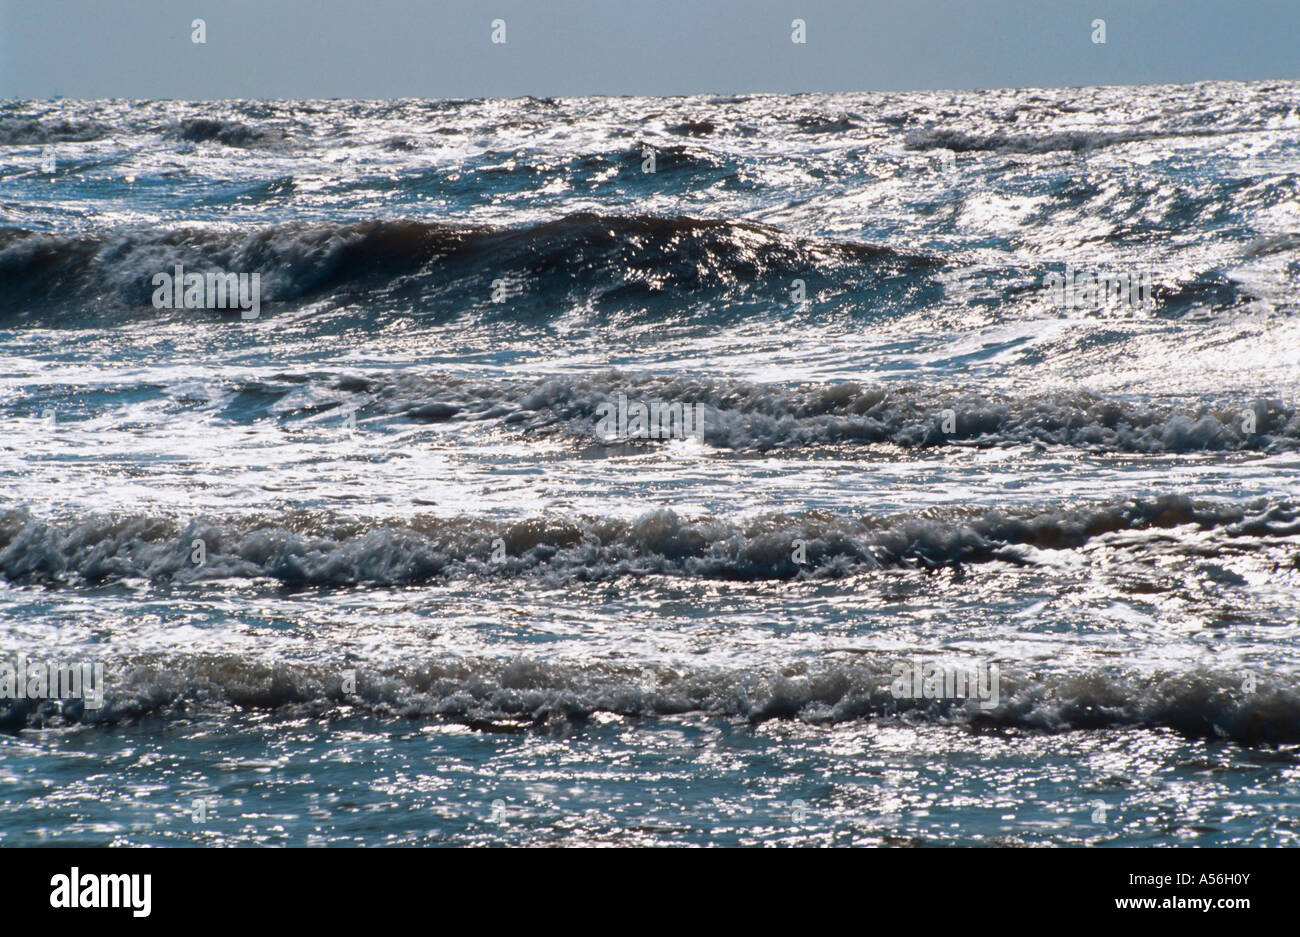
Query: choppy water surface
{"x":436,"y":606}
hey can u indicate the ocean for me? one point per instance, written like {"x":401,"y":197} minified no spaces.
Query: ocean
{"x":823,"y":469}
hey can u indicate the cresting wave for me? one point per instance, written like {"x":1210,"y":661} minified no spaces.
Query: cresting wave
{"x":18,"y":131}
{"x":315,"y":549}
{"x":229,"y":132}
{"x":619,"y":258}
{"x":1002,"y":141}
{"x":523,"y":694}
{"x":749,"y":416}
{"x":26,"y":131}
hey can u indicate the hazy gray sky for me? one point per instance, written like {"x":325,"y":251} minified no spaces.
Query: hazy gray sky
{"x":443,"y":48}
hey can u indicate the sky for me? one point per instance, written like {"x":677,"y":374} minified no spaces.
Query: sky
{"x":444,"y":48}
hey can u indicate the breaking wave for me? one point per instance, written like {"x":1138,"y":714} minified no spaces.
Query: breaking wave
{"x":618,"y":258}
{"x":228,"y":132}
{"x":316,"y":549}
{"x":1075,"y":140}
{"x":750,"y":416}
{"x":523,"y":694}
{"x":20,"y":131}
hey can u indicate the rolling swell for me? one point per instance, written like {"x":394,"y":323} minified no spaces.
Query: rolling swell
{"x":613,"y":260}
{"x":313,"y":549}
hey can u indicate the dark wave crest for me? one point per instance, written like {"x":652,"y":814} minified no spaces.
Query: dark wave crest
{"x":1002,"y":141}
{"x":27,"y":131}
{"x":228,"y":132}
{"x":617,"y":261}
